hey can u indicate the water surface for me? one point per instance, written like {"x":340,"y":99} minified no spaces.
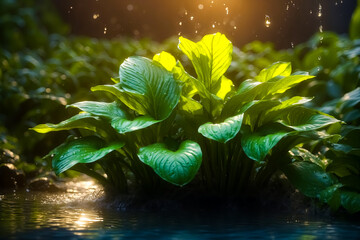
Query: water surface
{"x":75,"y":214}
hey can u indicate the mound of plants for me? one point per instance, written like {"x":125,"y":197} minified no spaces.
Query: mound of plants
{"x":163,"y":125}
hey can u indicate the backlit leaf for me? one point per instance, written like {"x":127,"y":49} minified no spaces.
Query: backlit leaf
{"x":276,"y":69}
{"x":211,"y":57}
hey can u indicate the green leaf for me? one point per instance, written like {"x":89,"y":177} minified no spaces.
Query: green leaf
{"x":276,"y":69}
{"x":278,"y":110}
{"x":159,"y":89}
{"x":355,"y":23}
{"x":331,"y":195}
{"x":304,"y":119}
{"x":211,"y":57}
{"x":349,"y":100}
{"x":308,"y":177}
{"x":145,"y":87}
{"x":108,"y":110}
{"x":350,"y":201}
{"x":82,"y":120}
{"x":177,"y":167}
{"x":224,"y":131}
{"x":83,"y":150}
{"x":166,"y":60}
{"x":258,"y":144}
{"x":132,"y":100}
{"x":190,"y":106}
{"x":123,"y":125}
{"x":252,"y":90}
{"x":306,"y":155}
{"x":225,"y":86}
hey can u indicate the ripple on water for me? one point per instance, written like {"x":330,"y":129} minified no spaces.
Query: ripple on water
{"x":74,"y":215}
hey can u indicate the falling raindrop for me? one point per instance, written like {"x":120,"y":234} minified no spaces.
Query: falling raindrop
{"x":287,"y":7}
{"x":96,"y":16}
{"x":321,"y":28}
{"x":105,"y":29}
{"x":292,"y":45}
{"x":310,"y":11}
{"x":227,"y":10}
{"x":191,"y":18}
{"x":186,"y":13}
{"x":320,"y":10}
{"x":213,"y":26}
{"x":235,"y":27}
{"x":200,"y":6}
{"x":267,"y":21}
{"x":180,"y":23}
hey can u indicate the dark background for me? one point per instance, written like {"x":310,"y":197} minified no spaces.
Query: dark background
{"x":292,"y":22}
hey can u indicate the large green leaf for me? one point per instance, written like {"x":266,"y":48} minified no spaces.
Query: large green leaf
{"x":108,"y":110}
{"x":258,"y":144}
{"x":276,"y":69}
{"x":145,"y":87}
{"x":123,"y":125}
{"x":308,"y":177}
{"x":82,"y":120}
{"x":211,"y":57}
{"x":304,"y":119}
{"x":83,"y":150}
{"x":159,"y":89}
{"x":177,"y":167}
{"x":224,"y":131}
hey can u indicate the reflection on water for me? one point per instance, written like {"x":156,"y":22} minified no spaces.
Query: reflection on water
{"x":75,"y":215}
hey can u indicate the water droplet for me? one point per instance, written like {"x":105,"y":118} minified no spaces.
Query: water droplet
{"x":320,"y":10}
{"x":196,"y":31}
{"x":267,"y":21}
{"x":96,"y":15}
{"x":227,"y":10}
{"x":321,"y":28}
{"x":105,"y":29}
{"x":292,"y":45}
{"x":179,"y":33}
{"x":200,"y":6}
{"x":213,"y":26}
{"x":130,"y":7}
{"x":191,"y":18}
{"x":310,"y":11}
{"x":235,"y":27}
{"x":319,"y":58}
{"x":180,"y":23}
{"x":186,"y":13}
{"x":287,"y":7}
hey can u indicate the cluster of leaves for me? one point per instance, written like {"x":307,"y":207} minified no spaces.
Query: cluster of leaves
{"x":41,"y":70}
{"x":230,"y":140}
